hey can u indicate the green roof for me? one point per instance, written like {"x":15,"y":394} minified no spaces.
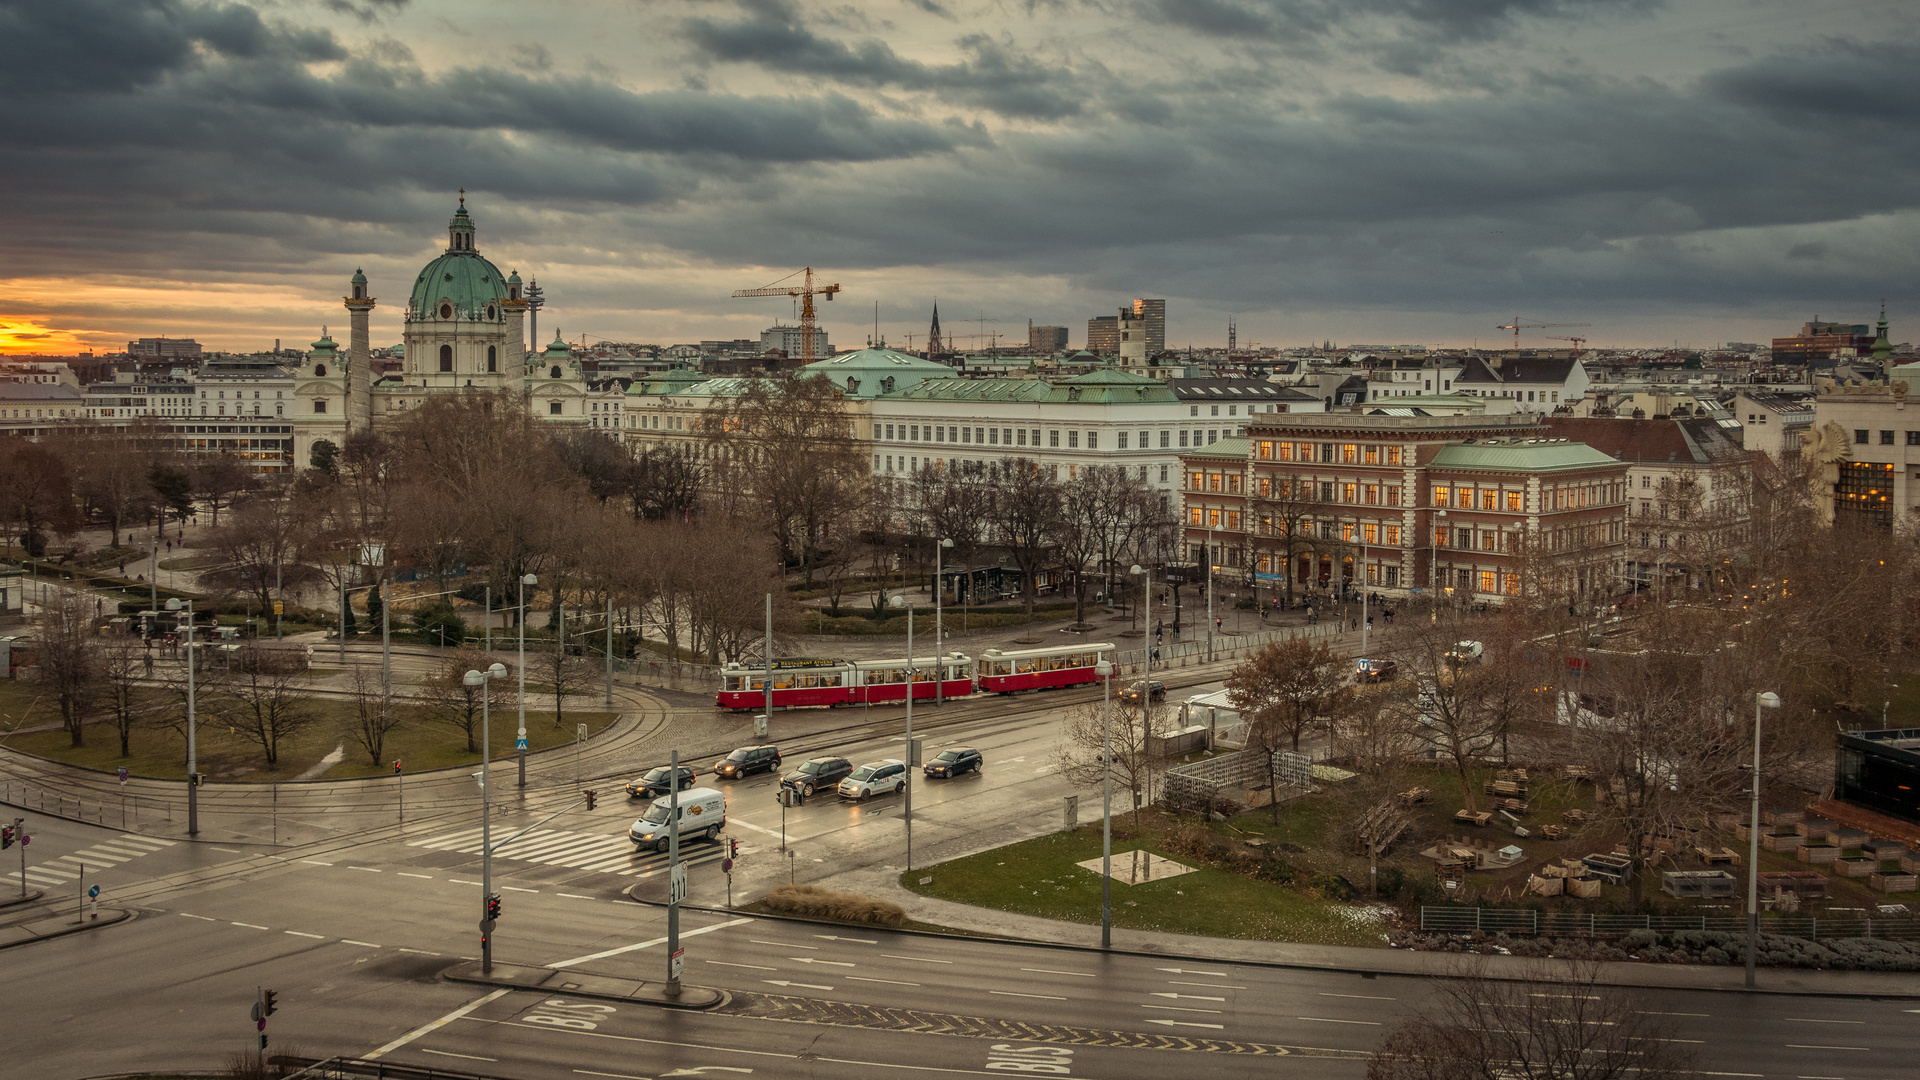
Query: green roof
{"x":1094,"y":388}
{"x":872,"y":372}
{"x":462,"y":278}
{"x":667,"y":382}
{"x":1521,"y":455}
{"x":1235,"y":447}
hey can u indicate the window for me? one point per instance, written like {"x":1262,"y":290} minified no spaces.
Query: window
{"x":1440,"y":493}
{"x":1234,"y":410}
{"x":1393,"y":536}
{"x":1372,"y":494}
{"x":1233,"y":520}
{"x":1860,"y":436}
{"x":889,"y":434}
{"x":1347,"y":492}
{"x":1349,"y":453}
{"x":1163,"y":472}
{"x":1183,"y":437}
{"x":1197,"y":516}
{"x":1193,"y":410}
{"x":1093,"y":439}
{"x":1213,"y":519}
{"x":1372,"y":455}
{"x":1215,"y":412}
{"x":993,"y":436}
{"x":1123,"y":440}
{"x":1489,"y":500}
{"x":1393,"y":455}
{"x":1515,"y":501}
{"x":1886,"y":438}
{"x":492,"y":357}
{"x":1393,"y":496}
{"x":1073,"y":440}
{"x":1326,"y":491}
{"x":1326,"y":452}
{"x":1036,"y":436}
{"x":1488,"y":581}
{"x":966,"y":435}
{"x":1488,"y":539}
{"x":1212,"y":437}
{"x":319,"y":405}
{"x":1197,"y":482}
{"x":939,"y":434}
{"x":553,"y":408}
{"x":319,"y":371}
{"x":1440,"y":536}
{"x":1913,"y":438}
{"x":1370,"y":533}
{"x":1463,"y":498}
{"x":1053,"y":438}
{"x":1164,"y":437}
{"x":446,"y":311}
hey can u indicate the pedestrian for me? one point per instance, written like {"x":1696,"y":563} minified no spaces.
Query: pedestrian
{"x":123,"y":568}
{"x":1216,"y":624}
{"x":149,"y":659}
{"x":1369,"y":622}
{"x":1263,"y":614}
{"x":1313,"y":616}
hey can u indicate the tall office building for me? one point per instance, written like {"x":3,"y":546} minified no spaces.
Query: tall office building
{"x":1154,"y":314}
{"x":1046,"y":339}
{"x":1103,"y":335}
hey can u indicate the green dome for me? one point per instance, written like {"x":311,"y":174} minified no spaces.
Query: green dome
{"x":462,"y":278}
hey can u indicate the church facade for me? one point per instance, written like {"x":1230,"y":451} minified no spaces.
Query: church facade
{"x":465,"y":330}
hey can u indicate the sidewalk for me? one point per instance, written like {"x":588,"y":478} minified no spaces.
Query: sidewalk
{"x":41,"y":924}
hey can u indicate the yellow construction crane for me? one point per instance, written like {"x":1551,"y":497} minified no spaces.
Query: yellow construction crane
{"x":1577,"y":341}
{"x":806,"y":291}
{"x":1516,"y":325}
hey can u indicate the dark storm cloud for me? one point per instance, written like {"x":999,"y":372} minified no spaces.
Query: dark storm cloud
{"x":994,"y":76}
{"x":1452,"y":20}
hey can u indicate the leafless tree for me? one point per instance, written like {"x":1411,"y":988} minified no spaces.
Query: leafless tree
{"x":1439,"y":702}
{"x":267,"y":697}
{"x":1026,"y":515}
{"x":1285,"y":690}
{"x":563,"y":672}
{"x":373,"y":719}
{"x":445,"y":698}
{"x":36,"y":495}
{"x":219,"y":479}
{"x":67,"y":659}
{"x":1135,"y":766}
{"x":1555,"y":1022}
{"x":122,"y":661}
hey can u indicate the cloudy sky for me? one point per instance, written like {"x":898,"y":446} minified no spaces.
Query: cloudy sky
{"x":1377,"y":171}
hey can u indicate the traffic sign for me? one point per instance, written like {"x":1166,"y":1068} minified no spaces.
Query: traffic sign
{"x":676,"y":962}
{"x":93,"y":892}
{"x":279,"y":608}
{"x":677,"y":883}
{"x":123,"y":774}
{"x":521,"y":742}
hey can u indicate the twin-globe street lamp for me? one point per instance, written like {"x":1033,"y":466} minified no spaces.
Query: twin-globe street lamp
{"x":1767,"y":700}
{"x":193,"y":760}
{"x":1104,"y":671}
{"x":483,"y":680}
{"x":520,"y":741}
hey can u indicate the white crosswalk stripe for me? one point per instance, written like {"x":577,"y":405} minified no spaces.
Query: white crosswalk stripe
{"x":580,"y":851}
{"x":102,"y":855}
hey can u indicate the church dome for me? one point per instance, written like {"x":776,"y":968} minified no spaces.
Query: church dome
{"x":463,"y":279}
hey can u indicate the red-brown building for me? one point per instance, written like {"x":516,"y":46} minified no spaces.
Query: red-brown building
{"x":1477,"y":507}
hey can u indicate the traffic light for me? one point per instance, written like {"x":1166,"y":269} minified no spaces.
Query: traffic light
{"x":591,"y":795}
{"x":193,"y":780}
{"x":269,"y":1000}
{"x":6,"y":837}
{"x":733,"y":848}
{"x":493,"y":905}
{"x":396,"y":766}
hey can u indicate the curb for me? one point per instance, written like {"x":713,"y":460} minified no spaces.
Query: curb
{"x":113,"y":917}
{"x":582,"y":984}
{"x":15,"y":901}
{"x":1280,"y":965}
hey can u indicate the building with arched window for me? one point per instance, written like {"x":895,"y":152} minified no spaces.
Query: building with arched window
{"x":465,"y":330}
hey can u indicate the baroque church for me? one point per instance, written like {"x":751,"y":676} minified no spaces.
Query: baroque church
{"x":465,"y":330}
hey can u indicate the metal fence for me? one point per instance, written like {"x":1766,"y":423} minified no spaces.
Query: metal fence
{"x":1534,"y":922}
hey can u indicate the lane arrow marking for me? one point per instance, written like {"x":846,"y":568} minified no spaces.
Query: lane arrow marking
{"x":1192,"y":971}
{"x":855,"y":940}
{"x":1190,"y":997}
{"x":783,"y":982}
{"x":1186,"y":1023}
{"x":811,"y":960}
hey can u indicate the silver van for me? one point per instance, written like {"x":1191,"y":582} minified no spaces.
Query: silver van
{"x":703,"y":814}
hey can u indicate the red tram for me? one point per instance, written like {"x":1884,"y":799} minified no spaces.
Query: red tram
{"x":830,"y":683}
{"x":1039,"y":669}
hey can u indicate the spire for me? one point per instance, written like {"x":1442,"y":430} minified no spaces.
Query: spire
{"x":933,"y":334}
{"x":1882,"y":347}
{"x":460,"y":228}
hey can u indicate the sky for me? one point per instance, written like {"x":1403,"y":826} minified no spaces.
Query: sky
{"x":1686,"y":172}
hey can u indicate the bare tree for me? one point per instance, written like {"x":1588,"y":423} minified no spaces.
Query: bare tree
{"x":36,"y":495}
{"x":1555,"y":1022}
{"x":1439,"y":702}
{"x":267,"y":698}
{"x":218,"y":480}
{"x":1026,"y":517}
{"x":373,"y":720}
{"x":564,"y":672}
{"x":68,"y":663}
{"x":1135,"y":768}
{"x":1285,"y":690}
{"x":445,"y":698}
{"x":122,"y":661}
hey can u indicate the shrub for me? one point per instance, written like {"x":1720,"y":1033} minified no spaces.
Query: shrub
{"x":439,"y":624}
{"x":815,"y":902}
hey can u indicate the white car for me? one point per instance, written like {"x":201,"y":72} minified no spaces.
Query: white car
{"x":881,"y":777}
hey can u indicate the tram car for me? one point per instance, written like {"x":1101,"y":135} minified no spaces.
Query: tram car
{"x":802,"y":682}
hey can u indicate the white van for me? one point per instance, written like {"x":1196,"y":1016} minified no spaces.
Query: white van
{"x":703,"y":813}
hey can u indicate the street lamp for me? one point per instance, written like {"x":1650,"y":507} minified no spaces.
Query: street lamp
{"x":1147,"y":578}
{"x":900,"y":601}
{"x":1768,"y":700}
{"x":520,"y":742}
{"x":1210,"y":536}
{"x":483,"y":680}
{"x":193,"y":760}
{"x":1104,"y":671}
{"x":939,"y":682}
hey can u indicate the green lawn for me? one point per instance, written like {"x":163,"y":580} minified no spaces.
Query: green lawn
{"x":1038,"y":877}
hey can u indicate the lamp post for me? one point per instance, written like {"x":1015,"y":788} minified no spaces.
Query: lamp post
{"x":193,"y":760}
{"x":1210,"y":535}
{"x":939,"y":679}
{"x":1104,"y":670}
{"x":520,"y":741}
{"x":906,"y":787}
{"x":1768,"y":700}
{"x":484,"y":680}
{"x":1147,"y":578}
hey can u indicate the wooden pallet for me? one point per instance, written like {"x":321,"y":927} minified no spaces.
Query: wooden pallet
{"x":1472,"y":817}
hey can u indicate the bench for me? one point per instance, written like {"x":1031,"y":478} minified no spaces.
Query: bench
{"x":1473,"y":817}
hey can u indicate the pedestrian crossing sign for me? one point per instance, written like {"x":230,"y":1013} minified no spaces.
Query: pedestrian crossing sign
{"x":520,"y":743}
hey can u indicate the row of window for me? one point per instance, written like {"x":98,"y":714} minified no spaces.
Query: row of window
{"x":1330,"y":453}
{"x":1234,"y":410}
{"x":902,"y":463}
{"x":1031,"y":437}
{"x":1860,"y":437}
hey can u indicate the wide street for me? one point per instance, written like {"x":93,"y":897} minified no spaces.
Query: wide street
{"x":353,"y":929}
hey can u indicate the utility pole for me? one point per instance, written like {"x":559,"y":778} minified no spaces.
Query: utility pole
{"x":609,"y":648}
{"x":676,"y":876}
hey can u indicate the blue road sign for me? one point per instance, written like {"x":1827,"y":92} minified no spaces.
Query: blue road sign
{"x":520,"y":743}
{"x":93,"y":892}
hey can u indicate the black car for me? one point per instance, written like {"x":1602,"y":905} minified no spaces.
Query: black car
{"x":817,"y":774}
{"x":954,"y":761}
{"x":1149,"y":690}
{"x":746,"y":761}
{"x":654,"y":783}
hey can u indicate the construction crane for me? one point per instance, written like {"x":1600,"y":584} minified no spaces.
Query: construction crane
{"x":1577,"y":341}
{"x":806,"y":291}
{"x":1516,"y":326}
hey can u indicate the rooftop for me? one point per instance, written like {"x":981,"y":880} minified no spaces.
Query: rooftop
{"x":1520,"y":455}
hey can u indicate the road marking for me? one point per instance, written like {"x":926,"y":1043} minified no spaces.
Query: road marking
{"x":811,"y":960}
{"x":684,"y":934}
{"x":457,"y":881}
{"x":1050,"y":971}
{"x":855,"y":940}
{"x":1216,"y":986}
{"x":1804,"y":1020}
{"x":516,"y":888}
{"x":1009,"y":993}
{"x":1192,"y":971}
{"x":751,"y":825}
{"x":362,"y":944}
{"x":228,"y":850}
{"x":1743,"y":1074}
{"x":1696,"y":1042}
{"x":573,"y":896}
{"x":1803,"y":1046}
{"x":783,"y":982}
{"x":420,"y":952}
{"x":369,"y":870}
{"x":1189,"y":997}
{"x":1645,"y":1013}
{"x":1180,"y":1008}
{"x":423,"y":877}
{"x":315,"y":862}
{"x":895,"y":982}
{"x":1357,"y":997}
{"x":251,"y":926}
{"x":926,"y":959}
{"x":616,"y":1076}
{"x":449,"y":1053}
{"x":298,"y":933}
{"x":1569,"y":997}
{"x":1328,"y":1020}
{"x":1184,"y":1023}
{"x":202,"y":918}
{"x":724,"y":963}
{"x":456,"y":1014}
{"x":1815,"y":1077}
{"x":783,"y":944}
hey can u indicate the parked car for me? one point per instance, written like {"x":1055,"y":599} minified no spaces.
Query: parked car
{"x":954,"y":761}
{"x":746,"y":761}
{"x":883,"y":777}
{"x":1375,"y":670}
{"x":1466,"y":652}
{"x":1145,"y":690}
{"x":703,"y":813}
{"x":817,"y":774}
{"x":654,"y":783}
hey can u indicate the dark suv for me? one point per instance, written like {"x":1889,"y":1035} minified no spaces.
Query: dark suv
{"x":746,"y":761}
{"x":817,"y":774}
{"x":954,"y":761}
{"x":654,"y":783}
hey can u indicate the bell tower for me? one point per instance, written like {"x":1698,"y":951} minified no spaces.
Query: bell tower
{"x":359,"y":403}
